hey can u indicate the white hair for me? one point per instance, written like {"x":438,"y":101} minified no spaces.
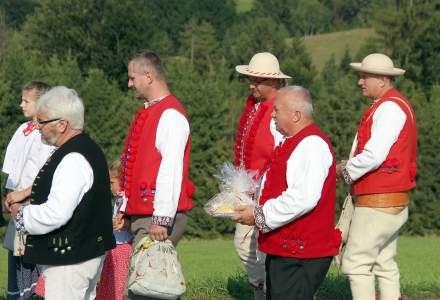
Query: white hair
{"x":62,"y":102}
{"x":299,"y":98}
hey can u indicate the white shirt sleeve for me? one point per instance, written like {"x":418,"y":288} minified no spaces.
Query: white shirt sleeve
{"x":25,"y":156}
{"x":72,"y":178}
{"x":388,"y":121}
{"x":171,"y":139}
{"x":307,"y":170}
{"x":277,"y":136}
{"x":14,"y":148}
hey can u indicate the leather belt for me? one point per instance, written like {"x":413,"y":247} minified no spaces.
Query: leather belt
{"x":382,"y":200}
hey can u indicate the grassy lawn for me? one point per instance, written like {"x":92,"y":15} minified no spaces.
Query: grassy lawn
{"x":213,"y":271}
{"x":244,"y":5}
{"x":322,"y":46}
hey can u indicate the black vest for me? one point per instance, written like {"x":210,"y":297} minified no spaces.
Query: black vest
{"x":88,"y":234}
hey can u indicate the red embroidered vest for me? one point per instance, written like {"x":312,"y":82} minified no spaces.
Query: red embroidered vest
{"x":312,"y":235}
{"x":397,"y":173}
{"x":141,"y":161}
{"x":254,"y":142}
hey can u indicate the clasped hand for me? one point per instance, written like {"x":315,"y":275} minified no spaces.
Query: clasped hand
{"x":244,"y":215}
{"x":11,"y":198}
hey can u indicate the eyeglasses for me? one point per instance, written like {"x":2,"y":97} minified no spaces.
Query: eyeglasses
{"x":256,"y":80}
{"x":47,"y":121}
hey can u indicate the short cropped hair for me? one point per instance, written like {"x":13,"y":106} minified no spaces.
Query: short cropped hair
{"x":148,"y":61}
{"x":296,"y":92}
{"x":115,"y":168}
{"x":39,"y":86}
{"x":62,"y":102}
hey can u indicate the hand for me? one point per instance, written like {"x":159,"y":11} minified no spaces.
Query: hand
{"x":158,"y":233}
{"x":16,"y":196}
{"x":244,"y":215}
{"x":339,"y":168}
{"x":6,"y":207}
{"x":14,"y":210}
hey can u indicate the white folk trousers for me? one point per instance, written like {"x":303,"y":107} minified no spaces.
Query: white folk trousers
{"x":370,"y":252}
{"x":245,"y":242}
{"x":72,"y":282}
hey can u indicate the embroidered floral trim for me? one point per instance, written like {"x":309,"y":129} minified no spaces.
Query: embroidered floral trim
{"x":162,"y":221}
{"x":260,"y":220}
{"x":19,"y":223}
{"x":241,"y":130}
{"x":247,"y":131}
{"x":346,"y":176}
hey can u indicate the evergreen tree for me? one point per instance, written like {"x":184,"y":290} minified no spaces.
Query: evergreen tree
{"x":99,"y":34}
{"x":402,"y":27}
{"x":198,"y":44}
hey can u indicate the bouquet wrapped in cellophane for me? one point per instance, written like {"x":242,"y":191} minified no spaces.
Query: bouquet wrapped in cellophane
{"x":236,"y":188}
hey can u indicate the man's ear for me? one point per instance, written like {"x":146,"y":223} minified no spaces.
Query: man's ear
{"x":63,"y":124}
{"x":296,"y":116}
{"x":149,"y":76}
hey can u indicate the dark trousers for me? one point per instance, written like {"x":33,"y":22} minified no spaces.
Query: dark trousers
{"x":290,"y":278}
{"x":140,"y":226}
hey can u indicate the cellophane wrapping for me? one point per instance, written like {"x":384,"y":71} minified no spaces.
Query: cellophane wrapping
{"x":237,"y":186}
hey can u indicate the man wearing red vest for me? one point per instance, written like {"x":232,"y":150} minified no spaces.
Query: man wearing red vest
{"x":155,"y":162}
{"x":256,"y":138}
{"x":295,"y":215}
{"x":381,"y":168}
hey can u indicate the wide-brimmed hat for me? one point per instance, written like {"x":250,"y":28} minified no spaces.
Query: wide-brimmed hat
{"x":379,"y":64}
{"x":262,"y":64}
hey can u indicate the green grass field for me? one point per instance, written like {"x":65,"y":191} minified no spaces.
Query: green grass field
{"x":213,"y":271}
{"x":244,"y":5}
{"x":321,"y":46}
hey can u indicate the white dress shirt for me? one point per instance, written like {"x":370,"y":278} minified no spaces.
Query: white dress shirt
{"x":171,"y":139}
{"x":25,"y":155}
{"x":388,"y":121}
{"x":307,"y":170}
{"x":72,"y":178}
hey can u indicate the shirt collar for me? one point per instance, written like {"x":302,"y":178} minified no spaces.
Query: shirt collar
{"x":148,"y":104}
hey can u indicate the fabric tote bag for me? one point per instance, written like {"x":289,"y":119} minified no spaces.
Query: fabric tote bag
{"x":155,"y":270}
{"x":344,"y":226}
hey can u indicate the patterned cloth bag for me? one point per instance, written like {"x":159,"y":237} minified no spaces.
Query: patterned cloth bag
{"x":344,"y":226}
{"x":155,"y":270}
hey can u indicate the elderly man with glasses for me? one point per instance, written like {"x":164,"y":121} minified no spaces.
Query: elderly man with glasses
{"x":256,"y":138}
{"x":69,"y":219}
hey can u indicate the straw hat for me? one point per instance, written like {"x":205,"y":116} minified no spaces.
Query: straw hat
{"x":377,"y":63}
{"x":263,"y":65}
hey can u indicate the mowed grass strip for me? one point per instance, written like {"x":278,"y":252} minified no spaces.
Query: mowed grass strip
{"x":321,"y":46}
{"x":213,"y":271}
{"x":242,"y":6}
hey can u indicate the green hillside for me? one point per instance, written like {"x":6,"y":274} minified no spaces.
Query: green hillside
{"x":322,"y":46}
{"x":244,"y":5}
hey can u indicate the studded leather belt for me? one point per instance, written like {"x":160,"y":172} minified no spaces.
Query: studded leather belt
{"x":400,"y":199}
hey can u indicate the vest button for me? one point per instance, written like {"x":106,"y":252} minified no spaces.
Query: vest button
{"x":69,"y":248}
{"x":55,"y":250}
{"x":293,"y":252}
{"x":62,"y":251}
{"x":301,"y":247}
